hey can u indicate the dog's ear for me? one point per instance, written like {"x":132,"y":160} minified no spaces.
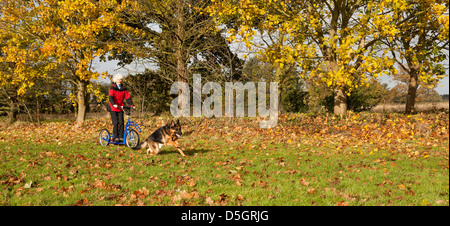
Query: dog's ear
{"x":178,"y":122}
{"x":172,"y":123}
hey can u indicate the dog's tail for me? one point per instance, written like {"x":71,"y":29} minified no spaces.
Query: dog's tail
{"x":141,"y":145}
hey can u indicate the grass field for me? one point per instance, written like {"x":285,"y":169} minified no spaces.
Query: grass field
{"x":363,"y":159}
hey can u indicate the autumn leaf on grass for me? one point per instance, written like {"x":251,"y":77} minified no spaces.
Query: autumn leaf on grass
{"x":185,"y":195}
{"x":401,"y":187}
{"x":139,"y":203}
{"x":180,"y":181}
{"x":209,"y":201}
{"x":342,"y":203}
{"x":260,"y":183}
{"x":222,"y":200}
{"x":191,"y":183}
{"x":304,"y":182}
{"x":140,"y":194}
{"x":237,"y":179}
{"x":311,"y":190}
{"x":99,"y":184}
{"x":82,"y":202}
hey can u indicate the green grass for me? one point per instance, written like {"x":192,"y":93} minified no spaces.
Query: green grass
{"x":223,"y":169}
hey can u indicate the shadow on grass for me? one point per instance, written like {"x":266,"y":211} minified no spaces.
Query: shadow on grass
{"x":188,"y":152}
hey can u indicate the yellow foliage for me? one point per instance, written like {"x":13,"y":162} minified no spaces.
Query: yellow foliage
{"x":297,"y":38}
{"x":42,"y":34}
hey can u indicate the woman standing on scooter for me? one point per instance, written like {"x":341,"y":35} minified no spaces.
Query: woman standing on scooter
{"x":117,"y":94}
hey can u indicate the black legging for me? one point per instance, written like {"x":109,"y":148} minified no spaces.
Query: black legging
{"x":117,"y":119}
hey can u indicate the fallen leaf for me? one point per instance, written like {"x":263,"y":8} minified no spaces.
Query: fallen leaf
{"x":342,"y":203}
{"x":311,"y":190}
{"x":401,"y":187}
{"x":209,"y":201}
{"x":99,"y":184}
{"x":304,"y":182}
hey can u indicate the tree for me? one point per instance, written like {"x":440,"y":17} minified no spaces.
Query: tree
{"x":67,"y":33}
{"x":150,"y":92}
{"x":21,"y":61}
{"x":423,"y":93}
{"x":364,"y":98}
{"x":292,"y":95}
{"x":179,"y":39}
{"x":420,"y":44}
{"x":336,"y":41}
{"x":77,"y":32}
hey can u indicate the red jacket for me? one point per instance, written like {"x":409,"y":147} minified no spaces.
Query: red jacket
{"x":117,"y":96}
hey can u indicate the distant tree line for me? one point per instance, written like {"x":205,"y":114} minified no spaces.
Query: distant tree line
{"x":151,"y":94}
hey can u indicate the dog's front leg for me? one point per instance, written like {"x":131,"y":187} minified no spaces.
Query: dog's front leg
{"x":177,"y":146}
{"x":181,"y":152}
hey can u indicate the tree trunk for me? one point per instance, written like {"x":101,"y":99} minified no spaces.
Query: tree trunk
{"x":38,"y":113}
{"x":12,"y":113}
{"x":82,"y":102}
{"x":340,"y":98}
{"x":412,"y":90}
{"x":182,"y":73}
{"x":278,"y":75}
{"x":340,"y":101}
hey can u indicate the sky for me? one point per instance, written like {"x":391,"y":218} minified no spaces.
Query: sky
{"x":443,"y":86}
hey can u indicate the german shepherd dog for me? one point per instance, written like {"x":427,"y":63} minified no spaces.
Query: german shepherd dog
{"x":165,"y":135}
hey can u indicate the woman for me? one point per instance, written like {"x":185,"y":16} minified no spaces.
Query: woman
{"x":117,"y":94}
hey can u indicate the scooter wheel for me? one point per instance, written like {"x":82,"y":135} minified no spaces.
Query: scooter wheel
{"x":104,"y":137}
